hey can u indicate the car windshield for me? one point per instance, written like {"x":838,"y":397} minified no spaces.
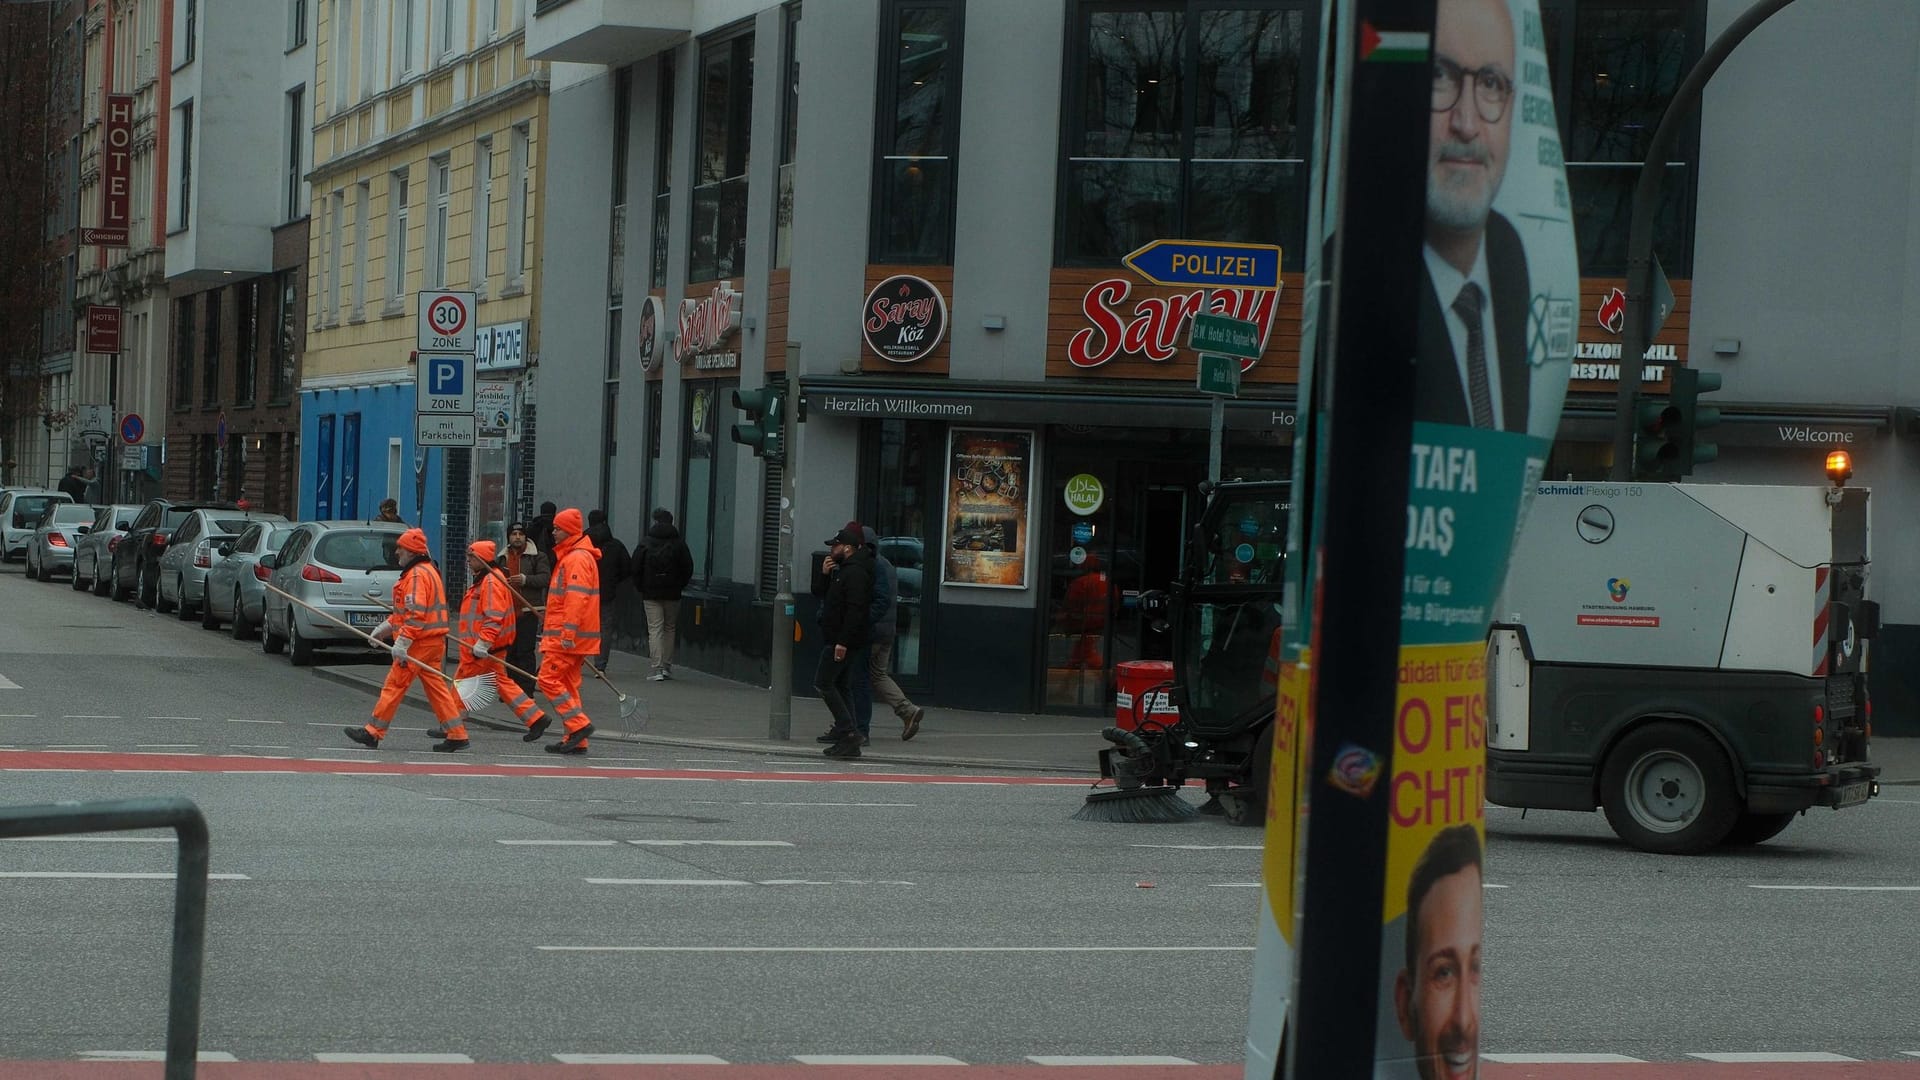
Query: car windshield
{"x":172,"y":518}
{"x":357,"y":550}
{"x":71,"y":513}
{"x":29,"y":507}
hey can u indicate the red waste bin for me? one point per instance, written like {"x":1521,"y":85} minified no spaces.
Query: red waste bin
{"x":1138,"y":679}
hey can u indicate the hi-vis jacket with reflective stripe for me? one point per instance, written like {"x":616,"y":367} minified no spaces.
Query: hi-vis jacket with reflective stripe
{"x":573,"y":600}
{"x":487,"y":612}
{"x":420,"y":603}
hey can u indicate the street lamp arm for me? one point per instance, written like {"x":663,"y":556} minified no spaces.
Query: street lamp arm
{"x":1646,"y":195}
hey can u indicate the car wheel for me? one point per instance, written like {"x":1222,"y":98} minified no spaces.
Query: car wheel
{"x":79,"y":583}
{"x":186,"y":610}
{"x":299,"y":650}
{"x":107,"y":584}
{"x":242,"y":629}
{"x":32,"y":574}
{"x":270,"y":642}
{"x":1668,"y":788}
{"x":208,"y":620}
{"x":159,"y":601}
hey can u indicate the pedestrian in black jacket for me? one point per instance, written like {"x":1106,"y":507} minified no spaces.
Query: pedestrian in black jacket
{"x":662,"y":568}
{"x":845,"y":627}
{"x":615,"y":567}
{"x":541,"y":530}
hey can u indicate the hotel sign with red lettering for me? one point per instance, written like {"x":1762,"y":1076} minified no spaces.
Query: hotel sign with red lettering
{"x":116,"y":176}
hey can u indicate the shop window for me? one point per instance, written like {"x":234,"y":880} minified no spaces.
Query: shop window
{"x":901,"y":496}
{"x":210,"y":352}
{"x":706,"y":483}
{"x":663,"y":174}
{"x":285,"y":344}
{"x":720,"y":159}
{"x":1188,"y":119}
{"x":650,"y":483}
{"x":183,"y":311}
{"x":789,"y":141}
{"x":919,"y":132}
{"x":1615,"y":66}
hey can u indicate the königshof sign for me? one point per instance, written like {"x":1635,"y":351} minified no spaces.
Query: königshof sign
{"x":989,"y":513}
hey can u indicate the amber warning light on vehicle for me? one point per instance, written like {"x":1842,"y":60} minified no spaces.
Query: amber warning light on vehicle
{"x":1839,"y":467}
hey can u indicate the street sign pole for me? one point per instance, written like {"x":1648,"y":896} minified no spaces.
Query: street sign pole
{"x":1216,"y":434}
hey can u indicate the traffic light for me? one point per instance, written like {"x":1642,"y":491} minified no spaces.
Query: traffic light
{"x":1657,"y":444}
{"x":1688,"y":385}
{"x":765,"y":411}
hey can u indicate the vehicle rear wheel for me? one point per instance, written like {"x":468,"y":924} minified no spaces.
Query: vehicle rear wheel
{"x":108,"y":584}
{"x":208,"y":620}
{"x":1757,"y":828}
{"x":79,"y":583}
{"x":1246,"y":804}
{"x":270,"y":642}
{"x":1668,"y":788}
{"x":32,"y":574}
{"x":299,"y":649}
{"x":242,"y":629}
{"x":186,"y":611}
{"x":149,"y":590}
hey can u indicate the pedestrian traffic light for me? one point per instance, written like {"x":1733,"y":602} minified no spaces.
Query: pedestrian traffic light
{"x":1688,"y":385}
{"x":765,"y":410}
{"x":1656,"y":442}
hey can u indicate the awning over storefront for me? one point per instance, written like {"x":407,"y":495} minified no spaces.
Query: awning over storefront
{"x":1748,"y":424}
{"x":868,"y":398}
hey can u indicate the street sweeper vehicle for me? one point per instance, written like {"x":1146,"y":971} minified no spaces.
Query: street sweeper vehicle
{"x":1211,"y":718}
{"x":1690,"y":658}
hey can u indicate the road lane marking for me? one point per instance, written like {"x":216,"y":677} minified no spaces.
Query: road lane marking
{"x":8,"y":684}
{"x":1785,"y":1058}
{"x":166,"y":745}
{"x":895,"y":948}
{"x":639,"y":1059}
{"x":87,"y":716}
{"x":173,"y":718}
{"x":1203,"y":847}
{"x":220,"y":1056}
{"x":557,"y":843}
{"x":166,"y":875}
{"x":19,"y":715}
{"x":709,"y":843}
{"x":79,"y":747}
{"x":392,"y":1059}
{"x":91,"y":839}
{"x":1837,"y":888}
{"x":876,"y":1059}
{"x":258,"y":746}
{"x":1562,"y":1059}
{"x":1107,"y":1059}
{"x":664,"y":881}
{"x":232,"y":720}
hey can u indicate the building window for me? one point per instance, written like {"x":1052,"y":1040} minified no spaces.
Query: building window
{"x":396,"y":241}
{"x":1615,"y":65}
{"x":919,"y":132}
{"x":336,"y":228}
{"x":706,"y":480}
{"x":339,"y":86}
{"x":190,"y":31}
{"x":405,"y":36}
{"x":789,"y":142}
{"x":720,"y":159}
{"x":296,"y":126}
{"x":663,"y":172}
{"x":440,"y":190}
{"x":444,"y":37}
{"x":369,"y":47}
{"x":297,"y":24}
{"x":183,"y":320}
{"x":517,"y":206}
{"x":362,"y":212}
{"x":487,"y":14}
{"x":286,"y":327}
{"x":480,"y":235}
{"x":650,"y":482}
{"x":247,"y":355}
{"x":210,"y":352}
{"x":1186,"y":119}
{"x":186,"y":162}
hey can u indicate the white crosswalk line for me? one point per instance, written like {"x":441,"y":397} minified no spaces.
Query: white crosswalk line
{"x":876,"y":1059}
{"x":1562,"y":1059}
{"x":158,"y":876}
{"x":393,"y":1059}
{"x":220,"y":1056}
{"x":639,"y":1059}
{"x":1782,"y":1057}
{"x":1107,"y":1059}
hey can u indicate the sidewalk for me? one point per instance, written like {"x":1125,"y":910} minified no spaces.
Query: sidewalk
{"x":700,"y":710}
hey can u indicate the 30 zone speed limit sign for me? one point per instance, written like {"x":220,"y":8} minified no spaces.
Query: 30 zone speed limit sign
{"x":446,"y":321}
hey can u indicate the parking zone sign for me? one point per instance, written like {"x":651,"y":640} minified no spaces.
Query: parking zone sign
{"x":446,"y":322}
{"x":443,"y":384}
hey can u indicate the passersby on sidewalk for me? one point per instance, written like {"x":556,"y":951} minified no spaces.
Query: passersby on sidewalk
{"x":418,"y":630}
{"x":616,"y":565}
{"x":845,"y":630}
{"x":665,"y":567}
{"x":876,"y":679}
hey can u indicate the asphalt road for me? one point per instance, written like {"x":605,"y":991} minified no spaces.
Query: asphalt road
{"x":503,"y":906}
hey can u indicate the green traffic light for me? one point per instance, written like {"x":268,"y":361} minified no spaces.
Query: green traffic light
{"x":764,"y":408}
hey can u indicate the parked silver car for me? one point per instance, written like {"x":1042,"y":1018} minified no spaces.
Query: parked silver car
{"x":235,"y":585}
{"x":192,"y":549}
{"x":330,"y":565}
{"x":93,"y":556}
{"x":50,"y":551}
{"x":20,"y":510}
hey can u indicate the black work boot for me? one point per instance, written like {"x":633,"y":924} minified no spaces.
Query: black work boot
{"x":449,"y":746}
{"x":363,"y":737}
{"x":848,"y":747}
{"x":536,"y":729}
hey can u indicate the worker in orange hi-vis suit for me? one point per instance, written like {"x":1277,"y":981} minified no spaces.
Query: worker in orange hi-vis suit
{"x":570,"y":634}
{"x":486,"y":628}
{"x":418,"y":630}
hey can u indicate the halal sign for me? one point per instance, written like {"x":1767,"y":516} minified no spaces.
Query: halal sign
{"x":905,"y":319}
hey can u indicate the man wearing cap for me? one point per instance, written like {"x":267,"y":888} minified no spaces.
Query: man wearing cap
{"x":570,"y":634}
{"x":487,"y":629}
{"x":525,"y":568}
{"x":418,"y":630}
{"x":845,"y":629}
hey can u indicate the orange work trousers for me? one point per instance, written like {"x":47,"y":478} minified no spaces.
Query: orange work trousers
{"x":559,"y":686}
{"x":503,"y":684}
{"x":430,"y":653}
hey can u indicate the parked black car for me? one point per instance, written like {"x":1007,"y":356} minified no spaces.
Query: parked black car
{"x":136,"y":559}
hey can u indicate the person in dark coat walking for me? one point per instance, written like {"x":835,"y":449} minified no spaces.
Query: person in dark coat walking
{"x":541,"y":530}
{"x":76,"y":481}
{"x":663,"y":569}
{"x":875,"y":679}
{"x":615,"y":567}
{"x":846,"y":623}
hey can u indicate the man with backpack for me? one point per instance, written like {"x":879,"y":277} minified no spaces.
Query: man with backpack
{"x":615,"y":567}
{"x":666,"y":566}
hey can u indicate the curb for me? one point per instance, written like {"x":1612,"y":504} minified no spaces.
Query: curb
{"x":735,"y":745}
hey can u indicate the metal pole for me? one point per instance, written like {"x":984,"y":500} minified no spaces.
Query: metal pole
{"x":1646,"y":195}
{"x":110,"y":468}
{"x":1216,"y":434}
{"x":780,"y":705}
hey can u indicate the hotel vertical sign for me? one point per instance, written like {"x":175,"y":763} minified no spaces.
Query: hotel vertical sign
{"x":116,"y":176}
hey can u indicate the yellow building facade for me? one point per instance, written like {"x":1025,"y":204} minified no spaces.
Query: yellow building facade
{"x":428,"y":150}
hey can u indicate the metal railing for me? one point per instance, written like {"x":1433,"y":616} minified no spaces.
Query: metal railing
{"x":189,"y":894}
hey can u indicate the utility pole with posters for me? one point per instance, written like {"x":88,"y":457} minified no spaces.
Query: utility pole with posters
{"x":1442,"y":287}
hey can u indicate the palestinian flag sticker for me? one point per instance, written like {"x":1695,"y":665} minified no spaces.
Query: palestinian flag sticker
{"x":1393,"y":46}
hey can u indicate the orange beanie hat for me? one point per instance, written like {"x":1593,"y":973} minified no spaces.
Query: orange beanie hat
{"x":414,"y":540}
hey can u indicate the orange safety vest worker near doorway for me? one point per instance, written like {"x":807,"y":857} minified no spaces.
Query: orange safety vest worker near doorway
{"x":486,"y":628}
{"x":570,"y":634}
{"x":418,"y":627}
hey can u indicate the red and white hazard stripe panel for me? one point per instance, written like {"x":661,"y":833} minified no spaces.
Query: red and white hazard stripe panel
{"x":1822,"y":648}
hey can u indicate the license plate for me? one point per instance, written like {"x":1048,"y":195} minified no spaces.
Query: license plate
{"x":364,"y":619}
{"x":1854,"y":794}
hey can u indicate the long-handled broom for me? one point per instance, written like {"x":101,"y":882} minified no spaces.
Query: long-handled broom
{"x":629,"y":706}
{"x":374,"y":641}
